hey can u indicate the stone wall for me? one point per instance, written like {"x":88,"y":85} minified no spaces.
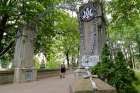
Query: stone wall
{"x":41,"y":74}
{"x":7,"y":76}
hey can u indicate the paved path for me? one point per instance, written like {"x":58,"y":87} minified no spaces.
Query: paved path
{"x":48,"y":85}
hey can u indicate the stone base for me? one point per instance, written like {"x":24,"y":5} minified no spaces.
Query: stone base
{"x":85,"y":86}
{"x":81,"y":86}
{"x":80,"y":73}
{"x":25,"y":75}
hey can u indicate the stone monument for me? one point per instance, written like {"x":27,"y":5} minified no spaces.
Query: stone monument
{"x":92,"y":32}
{"x":23,"y":57}
{"x":92,"y":36}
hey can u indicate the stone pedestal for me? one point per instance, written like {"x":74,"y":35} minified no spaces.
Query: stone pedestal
{"x":80,"y":73}
{"x":85,"y":86}
{"x":25,"y":75}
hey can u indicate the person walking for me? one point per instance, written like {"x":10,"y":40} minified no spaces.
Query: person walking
{"x":63,"y":70}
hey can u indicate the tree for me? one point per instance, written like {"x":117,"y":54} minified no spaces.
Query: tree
{"x":115,"y":72}
{"x":123,"y":26}
{"x":68,"y":36}
{"x":122,"y":77}
{"x":60,"y":38}
{"x":70,"y":41}
{"x":15,"y":14}
{"x":102,"y":69}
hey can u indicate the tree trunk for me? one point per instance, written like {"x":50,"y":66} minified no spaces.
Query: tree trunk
{"x":67,"y":58}
{"x":2,"y":29}
{"x":1,"y":37}
{"x":7,"y":48}
{"x":73,"y":61}
{"x":131,"y":57}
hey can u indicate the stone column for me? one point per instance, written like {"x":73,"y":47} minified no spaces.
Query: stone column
{"x":23,"y":57}
{"x":92,"y":32}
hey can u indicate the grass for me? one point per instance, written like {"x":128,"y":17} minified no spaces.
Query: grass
{"x":137,"y":84}
{"x":52,"y":65}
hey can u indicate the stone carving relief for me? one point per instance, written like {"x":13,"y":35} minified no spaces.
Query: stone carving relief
{"x":88,"y":12}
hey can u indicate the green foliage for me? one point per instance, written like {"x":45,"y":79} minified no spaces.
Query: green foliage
{"x":14,"y":14}
{"x":116,"y":73}
{"x":36,"y":62}
{"x":103,"y":68}
{"x":137,"y":83}
{"x":123,"y":11}
{"x":124,"y":26}
{"x":52,"y":65}
{"x":122,"y":77}
{"x":71,"y":38}
{"x":5,"y":61}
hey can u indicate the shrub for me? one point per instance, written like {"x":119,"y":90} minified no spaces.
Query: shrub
{"x":116,"y":73}
{"x":102,"y":69}
{"x":122,"y":77}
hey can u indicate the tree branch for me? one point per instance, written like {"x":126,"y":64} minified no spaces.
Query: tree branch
{"x":7,"y":48}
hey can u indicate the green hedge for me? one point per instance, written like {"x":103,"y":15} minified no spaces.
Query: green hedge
{"x":115,"y":72}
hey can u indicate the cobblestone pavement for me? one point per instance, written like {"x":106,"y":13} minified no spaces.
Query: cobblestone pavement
{"x":48,"y":85}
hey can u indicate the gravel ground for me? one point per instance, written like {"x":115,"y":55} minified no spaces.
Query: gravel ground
{"x":48,"y":85}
